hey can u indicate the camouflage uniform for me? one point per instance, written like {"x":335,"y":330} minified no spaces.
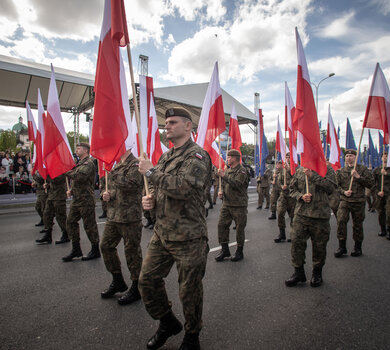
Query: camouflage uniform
{"x":263,"y":184}
{"x":124,"y":215}
{"x":56,"y":203}
{"x":83,"y":203}
{"x":215,"y":183}
{"x":311,"y":220}
{"x":334,"y":202}
{"x":382,"y":204}
{"x":355,"y":204}
{"x":180,"y":233}
{"x":286,"y":203}
{"x":41,"y":194}
{"x":275,"y":193}
{"x":234,"y":204}
{"x":102,"y":187}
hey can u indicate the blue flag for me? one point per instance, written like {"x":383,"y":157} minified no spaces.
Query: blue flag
{"x":264,"y":155}
{"x":341,"y":153}
{"x":381,"y":145}
{"x":372,"y":152}
{"x":350,"y":141}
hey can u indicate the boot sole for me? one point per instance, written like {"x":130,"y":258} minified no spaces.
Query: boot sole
{"x":42,"y":243}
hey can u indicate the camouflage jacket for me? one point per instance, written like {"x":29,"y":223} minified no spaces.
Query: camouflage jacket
{"x":125,"y":184}
{"x":179,"y":183}
{"x":235,"y":187}
{"x":56,"y":188}
{"x":378,"y":180}
{"x":280,"y":181}
{"x":83,"y":182}
{"x":358,"y":185}
{"x":265,"y":180}
{"x":39,"y":181}
{"x":320,"y":189}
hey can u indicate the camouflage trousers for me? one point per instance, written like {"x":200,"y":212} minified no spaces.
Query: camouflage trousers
{"x":150,"y":215}
{"x":190,"y":258}
{"x":357,"y":211}
{"x":216,"y":188}
{"x":285,"y":204}
{"x":40,"y":204}
{"x":334,"y":202}
{"x":226,"y":216}
{"x":318,"y":231}
{"x":275,"y":193}
{"x":131,"y":234}
{"x":371,"y":198}
{"x":104,"y":205}
{"x":208,"y":196}
{"x":263,"y":192}
{"x":55,"y":209}
{"x":382,"y":205}
{"x":89,"y":221}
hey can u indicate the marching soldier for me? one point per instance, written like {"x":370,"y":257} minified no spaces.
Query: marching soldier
{"x":352,"y":201}
{"x":263,"y":184}
{"x":235,"y":181}
{"x":83,"y":204}
{"x":334,"y":198}
{"x":40,"y":203}
{"x":124,"y":220}
{"x":276,"y":189}
{"x":102,"y":187}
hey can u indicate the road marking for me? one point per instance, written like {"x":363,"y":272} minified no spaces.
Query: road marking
{"x":230,"y":245}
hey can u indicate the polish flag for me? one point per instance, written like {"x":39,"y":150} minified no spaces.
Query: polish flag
{"x":32,"y":129}
{"x":332,"y":140}
{"x":57,"y":154}
{"x":378,"y":106}
{"x":109,"y":129}
{"x":39,"y":164}
{"x":234,"y":130}
{"x":289,"y":116}
{"x":153,"y":141}
{"x":280,"y":143}
{"x":212,"y":118}
{"x":305,"y":118}
{"x":146,"y":95}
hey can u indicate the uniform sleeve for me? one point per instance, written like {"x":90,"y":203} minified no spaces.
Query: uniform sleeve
{"x":327,"y":183}
{"x":366,"y":178}
{"x":339,"y":179}
{"x":295,"y":192}
{"x":132,"y":179}
{"x":82,"y":173}
{"x":237,"y":179}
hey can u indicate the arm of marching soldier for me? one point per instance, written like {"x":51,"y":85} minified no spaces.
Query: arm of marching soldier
{"x":365,"y":178}
{"x":237,"y":179}
{"x":327,"y":183}
{"x":295,"y":190}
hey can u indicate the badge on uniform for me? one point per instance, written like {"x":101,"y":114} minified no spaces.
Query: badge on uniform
{"x":198,"y":155}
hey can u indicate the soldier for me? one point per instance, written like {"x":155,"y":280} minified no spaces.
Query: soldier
{"x":40,"y":203}
{"x":286,"y":203}
{"x":311,"y":220}
{"x":215,"y":184}
{"x":352,"y":201}
{"x":55,"y":207}
{"x":124,"y":220}
{"x":102,"y":188}
{"x":276,"y":189}
{"x":382,"y":201}
{"x":334,"y":198}
{"x":263,"y":184}
{"x":235,"y":181}
{"x":83,"y":204}
{"x":180,"y":234}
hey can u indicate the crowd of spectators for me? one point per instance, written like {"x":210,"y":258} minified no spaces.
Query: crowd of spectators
{"x":15,"y":172}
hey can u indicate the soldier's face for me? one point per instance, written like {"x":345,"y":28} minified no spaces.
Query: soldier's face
{"x":350,"y":158}
{"x":384,"y":158}
{"x":232,"y":160}
{"x":81,"y":151}
{"x":177,"y":127}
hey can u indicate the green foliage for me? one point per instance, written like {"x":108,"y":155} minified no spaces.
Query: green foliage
{"x":70,"y":135}
{"x":8,"y":140}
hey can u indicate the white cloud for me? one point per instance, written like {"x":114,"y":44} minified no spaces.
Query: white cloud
{"x":191,"y":9}
{"x":339,"y":27}
{"x":383,"y":5}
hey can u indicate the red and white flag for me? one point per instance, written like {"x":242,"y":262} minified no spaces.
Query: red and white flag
{"x":39,"y":164}
{"x":378,"y":106}
{"x":32,"y":129}
{"x":109,"y":129}
{"x":332,"y":140}
{"x":57,"y":154}
{"x":134,"y":131}
{"x":289,"y":116}
{"x":234,"y":130}
{"x":305,"y":118}
{"x":280,"y":143}
{"x":212,"y":118}
{"x":146,"y":94}
{"x":153,"y":141}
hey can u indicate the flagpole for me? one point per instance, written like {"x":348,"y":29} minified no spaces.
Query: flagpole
{"x":307,"y":184}
{"x":383,"y":176}
{"x":67,"y":183}
{"x":219,"y":159}
{"x":356,"y":159}
{"x":137,"y":118}
{"x":227,"y":150}
{"x":285,"y":157}
{"x":326,"y":145}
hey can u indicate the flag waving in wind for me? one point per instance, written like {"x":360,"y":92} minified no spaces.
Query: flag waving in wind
{"x":289,"y":116}
{"x":234,"y":130}
{"x":39,"y":164}
{"x":280,"y":143}
{"x":153,"y":142}
{"x":109,"y":129}
{"x":332,"y":140}
{"x":305,"y":118}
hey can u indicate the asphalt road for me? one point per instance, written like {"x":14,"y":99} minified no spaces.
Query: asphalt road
{"x":48,"y":304}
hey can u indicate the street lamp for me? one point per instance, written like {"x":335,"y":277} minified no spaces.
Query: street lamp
{"x":318,"y":85}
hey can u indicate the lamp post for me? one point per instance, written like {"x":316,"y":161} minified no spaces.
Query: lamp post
{"x":317,"y":87}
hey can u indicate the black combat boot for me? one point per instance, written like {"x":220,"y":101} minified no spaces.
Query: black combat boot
{"x":169,"y":325}
{"x":75,"y":253}
{"x":40,"y":223}
{"x":357,"y":249}
{"x":93,"y":254}
{"x":281,"y":237}
{"x":296,"y":277}
{"x":238,"y":255}
{"x":117,"y":285}
{"x":190,"y":342}
{"x":224,"y":253}
{"x":64,"y":238}
{"x":342,"y":249}
{"x":383,"y":232}
{"x":44,"y":230}
{"x":131,"y":295}
{"x":259,"y":207}
{"x":272,"y":216}
{"x":46,"y":239}
{"x":104,"y":215}
{"x":316,"y":278}
{"x":211,"y":206}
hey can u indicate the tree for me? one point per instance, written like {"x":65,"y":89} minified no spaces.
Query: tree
{"x":7,"y":140}
{"x":70,"y":136}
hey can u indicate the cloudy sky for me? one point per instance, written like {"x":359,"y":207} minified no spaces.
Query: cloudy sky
{"x":253,"y":41}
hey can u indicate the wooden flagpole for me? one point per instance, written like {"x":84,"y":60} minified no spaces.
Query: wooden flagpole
{"x":284,"y":167}
{"x":227,"y":150}
{"x":356,"y":159}
{"x":219,"y":160}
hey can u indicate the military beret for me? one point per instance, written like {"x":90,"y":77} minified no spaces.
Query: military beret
{"x":234,"y":152}
{"x":177,"y":112}
{"x":84,"y":144}
{"x":350,"y":151}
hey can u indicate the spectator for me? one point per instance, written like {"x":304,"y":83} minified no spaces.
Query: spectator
{"x":22,"y":181}
{"x":7,"y":163}
{"x":4,"y":181}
